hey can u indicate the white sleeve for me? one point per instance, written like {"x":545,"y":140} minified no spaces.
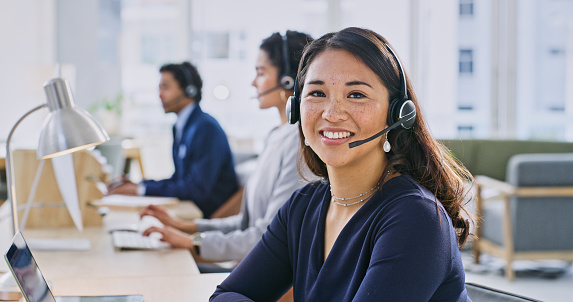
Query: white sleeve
{"x":218,"y":246}
{"x":224,"y":225}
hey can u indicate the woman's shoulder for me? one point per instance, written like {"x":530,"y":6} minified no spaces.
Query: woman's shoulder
{"x":310,"y":190}
{"x":308,"y":195}
{"x":404,"y":186}
{"x":405,"y":195}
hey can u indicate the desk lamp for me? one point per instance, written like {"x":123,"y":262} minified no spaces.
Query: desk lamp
{"x":66,"y":129}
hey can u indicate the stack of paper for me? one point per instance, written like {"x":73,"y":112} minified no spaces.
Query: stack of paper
{"x":125,"y":201}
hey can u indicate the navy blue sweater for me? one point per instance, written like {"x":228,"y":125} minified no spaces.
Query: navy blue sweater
{"x":204,"y":169}
{"x":400,"y":246}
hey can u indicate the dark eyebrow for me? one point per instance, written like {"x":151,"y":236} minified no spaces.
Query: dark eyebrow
{"x":354,"y":83}
{"x":259,"y":67}
{"x":351,"y":83}
{"x":315,"y":82}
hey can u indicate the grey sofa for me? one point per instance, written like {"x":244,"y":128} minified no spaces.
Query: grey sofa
{"x":490,"y":157}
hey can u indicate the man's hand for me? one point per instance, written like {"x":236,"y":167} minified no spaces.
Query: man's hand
{"x":174,"y":237}
{"x":125,"y":188}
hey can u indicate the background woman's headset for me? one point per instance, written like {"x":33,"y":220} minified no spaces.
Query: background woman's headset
{"x":287,"y":77}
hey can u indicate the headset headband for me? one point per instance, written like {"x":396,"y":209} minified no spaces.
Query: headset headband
{"x":286,"y":57}
{"x":402,"y":74}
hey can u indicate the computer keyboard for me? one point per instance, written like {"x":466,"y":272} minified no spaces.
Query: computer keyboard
{"x":127,"y":240}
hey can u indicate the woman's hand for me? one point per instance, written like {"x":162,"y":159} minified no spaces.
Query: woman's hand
{"x":174,"y":237}
{"x":164,"y":217}
{"x":159,"y":213}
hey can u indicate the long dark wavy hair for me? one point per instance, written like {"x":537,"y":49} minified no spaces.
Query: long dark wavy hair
{"x":414,"y":151}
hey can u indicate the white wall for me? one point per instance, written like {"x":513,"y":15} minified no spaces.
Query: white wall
{"x":27,"y":32}
{"x":82,"y":30}
{"x":439,"y":50}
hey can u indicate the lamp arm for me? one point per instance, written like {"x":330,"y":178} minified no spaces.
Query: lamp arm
{"x":10,"y":172}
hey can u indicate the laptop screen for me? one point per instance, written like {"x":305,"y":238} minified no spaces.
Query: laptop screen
{"x":28,"y":275}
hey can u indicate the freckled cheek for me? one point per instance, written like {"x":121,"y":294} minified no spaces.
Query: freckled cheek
{"x":369,"y":119}
{"x":309,"y":115}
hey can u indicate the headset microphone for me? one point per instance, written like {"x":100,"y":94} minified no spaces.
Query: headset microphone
{"x":267,"y":91}
{"x":174,"y":101}
{"x":406,"y":121}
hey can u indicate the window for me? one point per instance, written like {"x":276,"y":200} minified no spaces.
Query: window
{"x":465,"y":131}
{"x":557,"y":52}
{"x":109,"y":26}
{"x":465,"y":107}
{"x":218,"y":45}
{"x":466,"y":61}
{"x":466,"y":8}
{"x":156,"y":49}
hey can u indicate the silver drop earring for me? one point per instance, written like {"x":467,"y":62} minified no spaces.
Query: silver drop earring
{"x":387,"y":147}
{"x":306,"y":142}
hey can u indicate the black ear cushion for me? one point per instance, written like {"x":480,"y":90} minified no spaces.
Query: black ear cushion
{"x":293,"y":109}
{"x":191,"y":91}
{"x":407,"y":112}
{"x":401,"y":109}
{"x":394,"y":111}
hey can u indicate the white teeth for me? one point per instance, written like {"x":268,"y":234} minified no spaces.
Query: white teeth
{"x":336,"y":135}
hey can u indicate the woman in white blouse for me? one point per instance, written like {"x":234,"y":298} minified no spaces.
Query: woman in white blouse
{"x":274,"y":180}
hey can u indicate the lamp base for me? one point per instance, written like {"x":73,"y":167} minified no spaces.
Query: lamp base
{"x":9,"y":289}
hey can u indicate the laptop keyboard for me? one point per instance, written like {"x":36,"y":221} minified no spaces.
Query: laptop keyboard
{"x":127,"y":240}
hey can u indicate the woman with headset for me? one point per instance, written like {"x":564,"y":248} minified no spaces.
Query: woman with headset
{"x":385,"y":222}
{"x":274,"y":179}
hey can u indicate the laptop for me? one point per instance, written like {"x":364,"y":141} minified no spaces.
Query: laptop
{"x":32,"y":283}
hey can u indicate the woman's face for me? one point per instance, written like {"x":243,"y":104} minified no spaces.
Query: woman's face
{"x":343,"y":101}
{"x":266,"y":79}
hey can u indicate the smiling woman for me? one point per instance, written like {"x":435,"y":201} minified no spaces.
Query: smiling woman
{"x":385,"y":222}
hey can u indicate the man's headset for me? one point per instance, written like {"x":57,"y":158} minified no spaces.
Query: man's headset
{"x":286,"y":80}
{"x":190,"y":90}
{"x":401,"y":111}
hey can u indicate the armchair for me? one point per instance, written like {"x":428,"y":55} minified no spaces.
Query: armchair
{"x":530,"y":216}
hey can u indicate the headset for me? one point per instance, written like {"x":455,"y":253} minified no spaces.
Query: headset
{"x":190,"y":90}
{"x":401,"y":110}
{"x":287,"y":78}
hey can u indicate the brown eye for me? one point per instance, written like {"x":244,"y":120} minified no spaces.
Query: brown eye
{"x":356,"y":95}
{"x":318,"y":94}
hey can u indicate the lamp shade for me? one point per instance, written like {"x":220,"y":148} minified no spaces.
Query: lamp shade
{"x":67,"y":127}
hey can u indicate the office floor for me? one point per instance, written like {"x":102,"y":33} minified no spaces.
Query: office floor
{"x":553,"y":282}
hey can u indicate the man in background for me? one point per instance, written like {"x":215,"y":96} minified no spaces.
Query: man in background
{"x":204,"y":169}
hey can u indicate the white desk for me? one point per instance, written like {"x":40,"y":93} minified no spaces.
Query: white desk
{"x":166,"y":275}
{"x":159,"y":288}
